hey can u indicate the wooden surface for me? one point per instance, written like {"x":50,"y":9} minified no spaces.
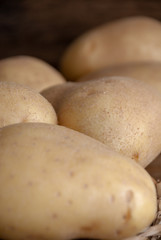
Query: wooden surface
{"x":44,"y":28}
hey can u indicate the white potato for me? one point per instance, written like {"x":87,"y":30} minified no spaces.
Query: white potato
{"x":126,"y":40}
{"x":29,"y":71}
{"x":59,"y":184}
{"x":22,"y":104}
{"x":123,"y":113}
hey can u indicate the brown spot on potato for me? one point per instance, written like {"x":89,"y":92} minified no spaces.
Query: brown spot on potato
{"x":11,"y":176}
{"x":136,"y":156}
{"x":56,"y":159}
{"x":91,"y":227}
{"x":129,"y":196}
{"x":95,"y":92}
{"x":127,"y":215}
{"x":24,"y":98}
{"x":54,"y":216}
{"x":86,"y":228}
{"x":25,"y":119}
{"x":70,"y":202}
{"x":118,"y":232}
{"x":30,"y":183}
{"x":48,"y":150}
{"x":72,"y":174}
{"x":85,"y":186}
{"x":58,"y":194}
{"x":44,"y":171}
{"x":112,"y":198}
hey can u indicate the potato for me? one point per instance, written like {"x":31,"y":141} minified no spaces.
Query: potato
{"x":56,"y":183}
{"x":30,"y":71}
{"x":55,"y":93}
{"x":123,"y":113}
{"x":154,"y":169}
{"x":149,"y":72}
{"x":22,"y":104}
{"x":126,"y":40}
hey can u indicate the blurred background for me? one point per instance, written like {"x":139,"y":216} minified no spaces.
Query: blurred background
{"x":44,"y":28}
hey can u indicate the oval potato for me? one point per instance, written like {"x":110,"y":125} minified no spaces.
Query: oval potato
{"x":126,"y":40}
{"x":22,"y":104}
{"x":148,"y":72}
{"x":29,"y":71}
{"x":56,"y":183}
{"x":123,"y":113}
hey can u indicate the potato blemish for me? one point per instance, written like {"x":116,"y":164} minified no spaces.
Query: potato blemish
{"x":136,"y":156}
{"x":129,"y":196}
{"x":85,"y":186}
{"x":70,"y":202}
{"x":58,"y":194}
{"x":72,"y":174}
{"x":91,"y":227}
{"x":54,"y":216}
{"x":118,"y":232}
{"x":112,"y":198}
{"x":127,"y":215}
{"x":30,"y":183}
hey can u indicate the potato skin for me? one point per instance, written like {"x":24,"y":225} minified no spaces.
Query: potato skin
{"x":148,"y":72}
{"x":126,"y":40}
{"x":22,"y":104}
{"x":58,"y":184}
{"x":123,"y":113}
{"x":29,"y":71}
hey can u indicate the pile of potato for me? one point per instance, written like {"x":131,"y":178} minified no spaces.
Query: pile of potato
{"x":73,"y":153}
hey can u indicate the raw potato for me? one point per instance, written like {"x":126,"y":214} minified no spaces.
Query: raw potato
{"x":22,"y":104}
{"x":29,"y":71}
{"x":55,"y":93}
{"x":123,"y":113}
{"x":122,"y":41}
{"x":149,"y":72}
{"x":58,"y":184}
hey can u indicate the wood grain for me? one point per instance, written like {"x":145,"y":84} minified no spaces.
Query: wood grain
{"x":44,"y":28}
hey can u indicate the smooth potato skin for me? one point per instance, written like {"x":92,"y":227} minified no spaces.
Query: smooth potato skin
{"x":123,"y":113}
{"x":22,"y":104}
{"x":29,"y":71}
{"x":148,"y":72}
{"x":127,"y":40}
{"x":57,"y":184}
